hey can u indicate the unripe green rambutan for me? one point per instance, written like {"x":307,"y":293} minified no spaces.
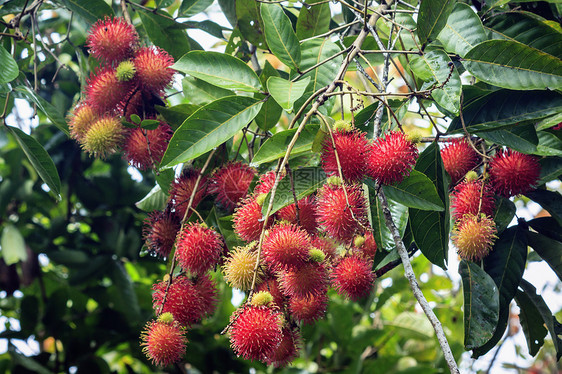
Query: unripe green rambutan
{"x":104,"y":137}
{"x":316,"y":255}
{"x":125,"y":71}
{"x":261,"y":298}
{"x":239,"y":267}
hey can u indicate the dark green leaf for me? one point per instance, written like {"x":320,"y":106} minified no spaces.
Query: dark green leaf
{"x":9,"y":70}
{"x":416,"y":191}
{"x":250,"y":22}
{"x":12,"y":245}
{"x":279,"y":34}
{"x":550,"y":250}
{"x":190,"y":8}
{"x":209,"y":127}
{"x":166,"y":33}
{"x":549,"y":200}
{"x":463,"y":30}
{"x":276,"y":146}
{"x":177,"y":114}
{"x":89,"y":11}
{"x":551,"y":168}
{"x":481,"y":304}
{"x":549,"y":144}
{"x":505,"y":211}
{"x":39,"y":158}
{"x":219,"y":69}
{"x":228,"y":8}
{"x":547,"y":226}
{"x":313,"y":20}
{"x":209,"y":27}
{"x":28,"y":363}
{"x":126,"y":299}
{"x":286,"y":92}
{"x":432,"y":18}
{"x":531,"y":322}
{"x":199,"y":92}
{"x":399,"y":213}
{"x":155,"y":200}
{"x":510,"y":64}
{"x":44,"y":106}
{"x":521,"y":138}
{"x":150,"y":124}
{"x":269,"y":113}
{"x":70,"y":258}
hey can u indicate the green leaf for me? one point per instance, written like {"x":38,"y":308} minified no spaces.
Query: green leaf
{"x":219,"y":69}
{"x":430,"y":229}
{"x":166,"y":33}
{"x":531,"y":322}
{"x":432,"y":18}
{"x":44,"y":106}
{"x":209,"y":127}
{"x":286,"y":92}
{"x":209,"y":27}
{"x":510,"y":64}
{"x":276,"y":146}
{"x":228,"y":8}
{"x":463,"y":30}
{"x":547,"y":226}
{"x":505,"y":211}
{"x":520,"y":138}
{"x":549,"y":144}
{"x":149,"y":124}
{"x":399,"y":212}
{"x":433,"y":67}
{"x":413,"y":325}
{"x":175,"y":115}
{"x":135,"y":118}
{"x":126,"y":299}
{"x":199,"y":92}
{"x":155,"y":200}
{"x":12,"y":245}
{"x":250,"y":23}
{"x":481,"y":304}
{"x":550,"y":250}
{"x":313,"y":20}
{"x":10,"y":70}
{"x":39,"y":158}
{"x":416,"y":191}
{"x":549,"y":200}
{"x":190,"y":8}
{"x":270,"y":111}
{"x":279,"y":34}
{"x":89,"y":11}
{"x":506,"y":107}
{"x":27,"y":363}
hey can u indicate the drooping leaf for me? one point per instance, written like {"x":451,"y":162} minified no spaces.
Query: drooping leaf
{"x":155,"y":200}
{"x":504,"y":213}
{"x":279,"y":34}
{"x":276,"y":146}
{"x":208,"y":127}
{"x":547,"y":226}
{"x":415,"y":191}
{"x":208,"y":26}
{"x":175,"y":115}
{"x":510,"y":64}
{"x":520,"y":138}
{"x":89,"y":11}
{"x":124,"y":298}
{"x":382,"y":234}
{"x":166,"y":33}
{"x":432,"y":17}
{"x":190,"y":8}
{"x":549,"y":200}
{"x":270,"y":112}
{"x":463,"y":30}
{"x":10,"y":69}
{"x":12,"y":245}
{"x":44,"y":106}
{"x":286,"y":92}
{"x":250,"y":22}
{"x":219,"y":69}
{"x":549,"y":144}
{"x":313,"y":20}
{"x":531,"y":322}
{"x":550,"y":250}
{"x":481,"y":304}
{"x":228,"y":8}
{"x":39,"y":158}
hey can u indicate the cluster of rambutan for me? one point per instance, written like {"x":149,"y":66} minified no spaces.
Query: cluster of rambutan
{"x":129,"y":81}
{"x":473,"y":199}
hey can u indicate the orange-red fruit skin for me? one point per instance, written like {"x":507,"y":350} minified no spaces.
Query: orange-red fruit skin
{"x":474,"y":236}
{"x":182,"y":188}
{"x":183,"y":300}
{"x":307,"y":216}
{"x":160,"y":231}
{"x":198,"y":248}
{"x":248,"y":219}
{"x":153,"y":68}
{"x":208,"y":293}
{"x":466,"y":199}
{"x":352,"y":277}
{"x":104,"y":91}
{"x":513,"y":173}
{"x":459,"y":158}
{"x":368,"y":249}
{"x":112,"y":40}
{"x":308,"y":309}
{"x":265,"y":183}
{"x":287,"y":350}
{"x":163,"y":343}
{"x":391,"y":158}
{"x":231,"y":182}
{"x":310,"y":279}
{"x":272,"y":286}
{"x":286,"y":247}
{"x":144,"y":148}
{"x":352,"y":148}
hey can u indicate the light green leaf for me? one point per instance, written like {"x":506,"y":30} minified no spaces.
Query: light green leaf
{"x":219,"y":69}
{"x":463,"y":30}
{"x":10,"y":69}
{"x":313,"y":20}
{"x":432,"y":18}
{"x":520,"y":138}
{"x":190,"y":8}
{"x":209,"y":127}
{"x":416,"y":191}
{"x":286,"y":92}
{"x":90,"y":11}
{"x":250,"y":23}
{"x":12,"y":245}
{"x":279,"y":34}
{"x":413,"y":325}
{"x":155,"y":200}
{"x":276,"y":146}
{"x":549,"y":144}
{"x":166,"y":33}
{"x":44,"y":106}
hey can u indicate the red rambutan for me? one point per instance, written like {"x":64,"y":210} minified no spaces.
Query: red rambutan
{"x":104,"y":91}
{"x":256,"y":332}
{"x":152,"y":65}
{"x":160,"y":231}
{"x":231,"y":182}
{"x":466,"y":199}
{"x":326,"y":245}
{"x":391,"y":158}
{"x":352,"y":277}
{"x":265,"y":183}
{"x":459,"y":158}
{"x":144,"y":148}
{"x":287,"y":350}
{"x":308,"y":280}
{"x":208,"y":293}
{"x":308,"y":309}
{"x":198,"y":248}
{"x":104,"y":137}
{"x":182,"y":188}
{"x":352,"y":148}
{"x":365,"y":246}
{"x":272,"y":286}
{"x":286,"y":246}
{"x":474,"y":236}
{"x":513,"y":173}
{"x":112,"y":40}
{"x":163,"y":342}
{"x":248,"y":219}
{"x":82,"y":117}
{"x":183,"y":300}
{"x":307,"y":214}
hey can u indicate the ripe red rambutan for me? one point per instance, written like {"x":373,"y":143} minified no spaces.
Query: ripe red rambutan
{"x":307,"y":214}
{"x":112,"y":40}
{"x":256,"y":332}
{"x":365,"y":246}
{"x":104,"y":91}
{"x":474,"y":236}
{"x":286,"y":247}
{"x":558,"y":126}
{"x":82,"y":117}
{"x":326,"y":245}
{"x":208,"y":293}
{"x":459,"y":158}
{"x":163,"y":343}
{"x":308,"y":280}
{"x":104,"y":137}
{"x":287,"y":350}
{"x":198,"y":248}
{"x":466,"y":199}
{"x":152,"y":65}
{"x":337,"y":219}
{"x":160,"y":231}
{"x":352,"y":277}
{"x":248,"y":219}
{"x":272,"y":286}
{"x":231,"y":182}
{"x":265,"y":183}
{"x":183,"y":300}
{"x":238,"y":268}
{"x":182,"y":188}
{"x":352,"y":148}
{"x":144,"y":148}
{"x":308,"y":309}
{"x":513,"y":173}
{"x":391,"y":158}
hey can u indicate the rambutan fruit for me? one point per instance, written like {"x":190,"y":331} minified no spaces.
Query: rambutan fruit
{"x":261,"y":298}
{"x":198,"y":248}
{"x":352,"y":148}
{"x":352,"y":277}
{"x":208,"y":293}
{"x":144,"y":149}
{"x":308,"y":309}
{"x":238,"y":268}
{"x":265,"y":183}
{"x":163,"y":342}
{"x":104,"y":91}
{"x":160,"y":231}
{"x":365,"y":245}
{"x":182,"y":300}
{"x":308,"y":280}
{"x":125,"y":71}
{"x":271,"y":285}
{"x":248,"y":219}
{"x":182,"y":188}
{"x":336,"y":218}
{"x":306,"y":217}
{"x":112,"y":40}
{"x":459,"y":158}
{"x":391,"y":158}
{"x":256,"y":332}
{"x":153,"y":68}
{"x":474,"y":236}
{"x":286,"y":247}
{"x":326,"y":245}
{"x":466,"y":199}
{"x":513,"y":173}
{"x":231,"y":182}
{"x":287,"y":350}
{"x":104,"y":137}
{"x":82,"y":117}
